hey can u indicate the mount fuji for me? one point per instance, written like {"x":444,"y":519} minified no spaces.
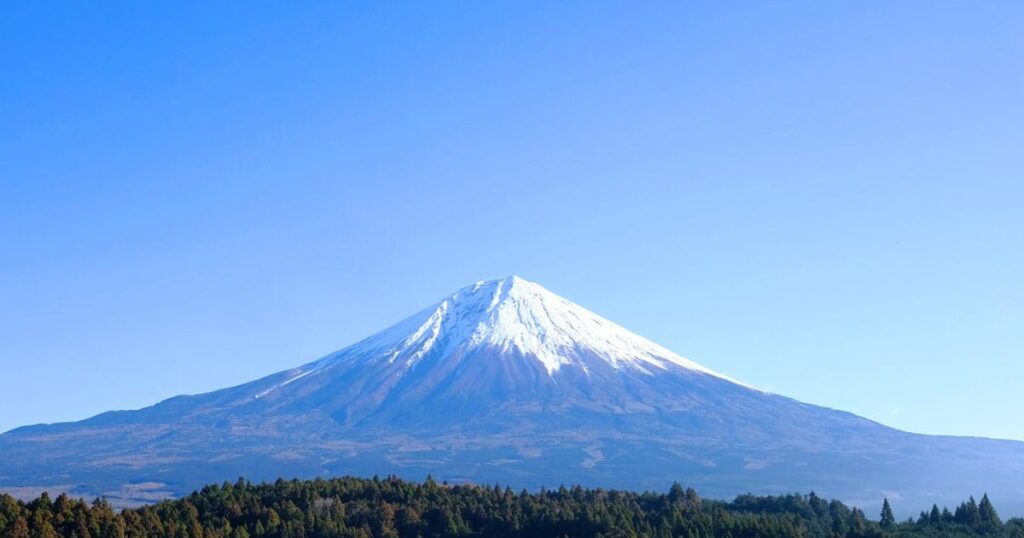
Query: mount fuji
{"x":504,"y":381}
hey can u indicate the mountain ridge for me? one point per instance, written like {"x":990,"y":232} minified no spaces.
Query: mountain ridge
{"x":505,"y":381}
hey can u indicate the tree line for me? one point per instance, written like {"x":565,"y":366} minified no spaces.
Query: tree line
{"x":390,"y":507}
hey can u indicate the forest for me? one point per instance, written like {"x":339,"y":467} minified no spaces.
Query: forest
{"x":391,"y":507}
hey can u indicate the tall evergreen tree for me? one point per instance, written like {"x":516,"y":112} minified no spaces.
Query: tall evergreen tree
{"x":858,"y":523}
{"x":888,"y":519}
{"x":968,"y":513}
{"x":987,"y":513}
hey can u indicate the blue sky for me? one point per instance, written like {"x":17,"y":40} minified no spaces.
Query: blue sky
{"x":820,"y":199}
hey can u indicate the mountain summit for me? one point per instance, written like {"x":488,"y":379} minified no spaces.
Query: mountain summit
{"x":513,"y":316}
{"x":506,"y":342}
{"x":504,"y":381}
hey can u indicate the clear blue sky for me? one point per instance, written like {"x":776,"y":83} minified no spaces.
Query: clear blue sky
{"x":823,"y":199}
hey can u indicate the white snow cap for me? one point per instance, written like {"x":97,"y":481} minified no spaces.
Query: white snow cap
{"x":513,"y":314}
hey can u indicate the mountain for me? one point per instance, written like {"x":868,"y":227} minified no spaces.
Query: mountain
{"x":504,"y":381}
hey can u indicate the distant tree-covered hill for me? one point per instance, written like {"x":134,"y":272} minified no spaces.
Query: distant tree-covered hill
{"x":393,"y":507}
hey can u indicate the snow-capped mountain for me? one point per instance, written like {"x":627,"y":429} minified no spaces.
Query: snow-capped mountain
{"x":507,"y":337}
{"x":514,"y":317}
{"x":504,"y":381}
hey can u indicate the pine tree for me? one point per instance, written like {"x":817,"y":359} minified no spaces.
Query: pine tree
{"x":676,"y":493}
{"x":857,"y":522}
{"x":972,"y":514}
{"x":839,"y":527}
{"x":888,"y":520}
{"x":987,"y":513}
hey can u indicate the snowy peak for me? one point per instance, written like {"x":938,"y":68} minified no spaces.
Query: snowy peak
{"x":519,"y":318}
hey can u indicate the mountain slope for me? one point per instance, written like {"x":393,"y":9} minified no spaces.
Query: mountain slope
{"x":506,"y":381}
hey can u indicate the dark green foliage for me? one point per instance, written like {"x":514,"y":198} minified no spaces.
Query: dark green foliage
{"x":887,"y":520}
{"x":391,"y":508}
{"x":987,"y":512}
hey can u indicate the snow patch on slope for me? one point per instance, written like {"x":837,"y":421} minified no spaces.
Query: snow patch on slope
{"x":513,"y":314}
{"x":515,"y":317}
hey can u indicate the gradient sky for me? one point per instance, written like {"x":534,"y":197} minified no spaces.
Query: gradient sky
{"x":822,"y":199}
